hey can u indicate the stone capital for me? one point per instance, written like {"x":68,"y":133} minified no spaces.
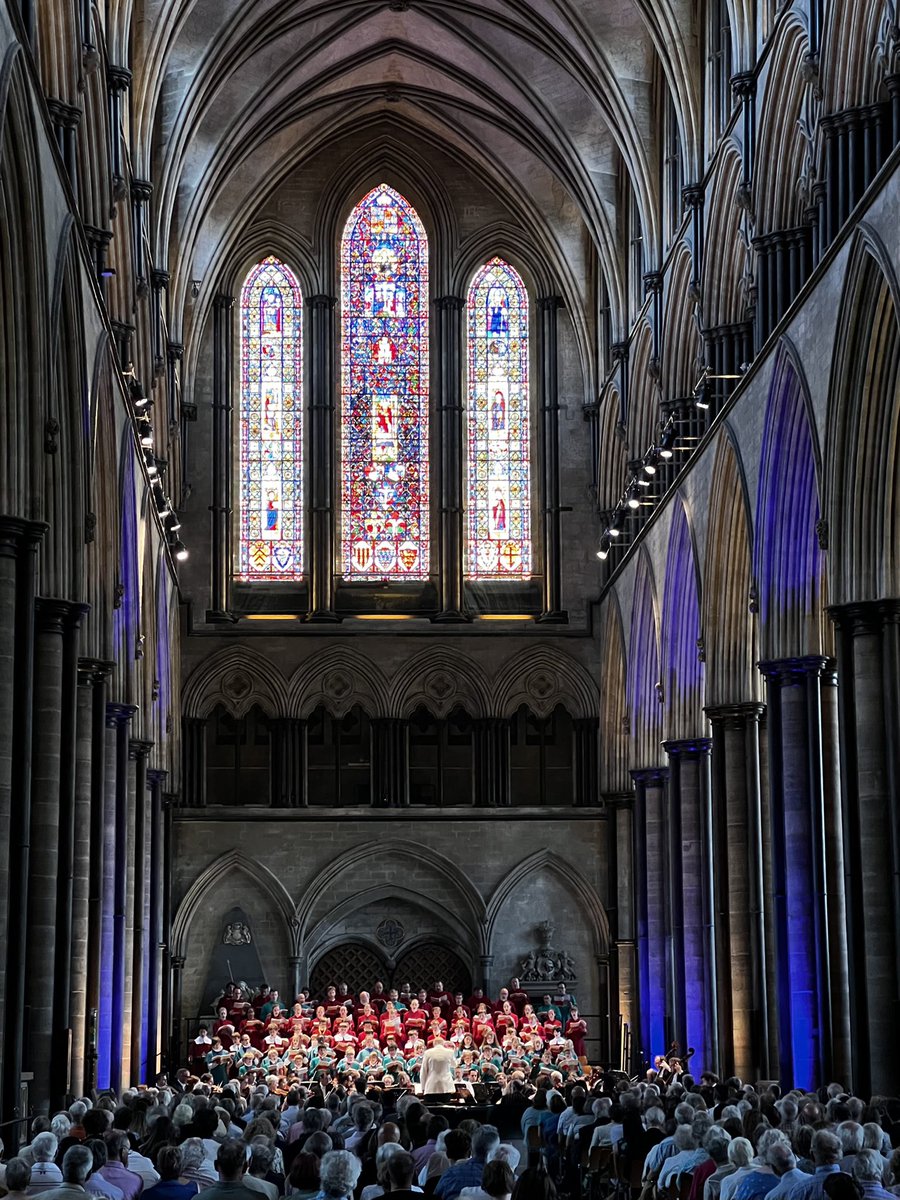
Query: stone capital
{"x":118,"y":78}
{"x":58,"y":616}
{"x":156,"y":777}
{"x":93,"y":670}
{"x":865,"y":617}
{"x":139,"y":748}
{"x":119,"y":714}
{"x":688,"y":747}
{"x":693,"y":195}
{"x":651,"y":775}
{"x":17,"y":534}
{"x":450,"y":303}
{"x":734,"y":716}
{"x":551,"y":304}
{"x":322,"y":302}
{"x":743,"y":84}
{"x":792,"y":672}
{"x":616,"y":800}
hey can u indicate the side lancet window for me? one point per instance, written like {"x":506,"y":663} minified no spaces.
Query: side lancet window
{"x":384,"y":391}
{"x":270,"y":543}
{"x":498,"y":427}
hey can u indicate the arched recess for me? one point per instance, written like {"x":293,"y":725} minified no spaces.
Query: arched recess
{"x":440,"y":679}
{"x":165,"y":643}
{"x":780,"y":148}
{"x":612,"y":450}
{"x":681,"y":347}
{"x":237,"y":677}
{"x":127,"y":617}
{"x":853,"y":60}
{"x":102,"y":556}
{"x":787,"y":554}
{"x":231,"y":863}
{"x":583,"y":894}
{"x":731,"y":632}
{"x":644,"y":684}
{"x":863,"y":438}
{"x":93,"y":141}
{"x":424,"y":866}
{"x":337,"y":926}
{"x":724,"y":267}
{"x":542,"y":677}
{"x":643,"y":394}
{"x":23,"y":324}
{"x":683,"y":681}
{"x":614,"y":743}
{"x":337,"y":678}
{"x":65,"y":418}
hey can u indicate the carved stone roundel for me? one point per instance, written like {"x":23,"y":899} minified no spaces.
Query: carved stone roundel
{"x":439,"y":685}
{"x":337,"y":685}
{"x":236,"y":685}
{"x":390,"y":933}
{"x":541,"y":684}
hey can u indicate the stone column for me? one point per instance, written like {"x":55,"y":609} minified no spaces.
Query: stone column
{"x":156,"y":780}
{"x":176,"y":1047}
{"x":492,"y":786}
{"x":296,"y":962}
{"x":289,"y":763}
{"x":321,"y":443}
{"x":136,"y":922}
{"x":166,"y":1010}
{"x":390,"y":762}
{"x":653,"y":921}
{"x":868,"y":647}
{"x":487,"y":966}
{"x":450,"y":366}
{"x":548,"y":381}
{"x":114,"y":890}
{"x":691,"y":901}
{"x":96,"y":857}
{"x":222,"y":452}
{"x":587,"y":771}
{"x":738,"y":836}
{"x":620,"y":910}
{"x":193,"y":737}
{"x":19,"y":541}
{"x":799,"y":760}
{"x":81,"y":855}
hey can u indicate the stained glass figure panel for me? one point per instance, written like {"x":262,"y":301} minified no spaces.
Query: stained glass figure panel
{"x":498,"y":434}
{"x":270,"y":546}
{"x":384,"y":390}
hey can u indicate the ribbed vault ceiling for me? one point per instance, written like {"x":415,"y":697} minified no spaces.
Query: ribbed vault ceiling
{"x":533,"y":97}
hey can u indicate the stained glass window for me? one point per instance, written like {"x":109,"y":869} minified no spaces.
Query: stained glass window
{"x":384,"y":386}
{"x":270,"y":546}
{"x":498,"y":476}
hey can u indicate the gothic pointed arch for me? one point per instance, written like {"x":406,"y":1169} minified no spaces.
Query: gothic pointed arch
{"x":237,"y":678}
{"x":582,"y":890}
{"x":645,"y":691}
{"x":787,"y":554}
{"x":729,"y":594}
{"x":541,"y":677}
{"x":337,"y":678}
{"x":863,"y":437}
{"x":683,"y":672}
{"x":777,"y":198}
{"x":232,"y":862}
{"x":614,"y":722}
{"x":724,"y":273}
{"x":440,"y":679}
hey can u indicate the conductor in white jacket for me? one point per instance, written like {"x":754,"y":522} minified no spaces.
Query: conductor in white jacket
{"x":436,"y":1074}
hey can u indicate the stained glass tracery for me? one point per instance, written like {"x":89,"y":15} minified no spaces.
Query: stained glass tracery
{"x":498,"y":476}
{"x":270,"y":546}
{"x":384,"y":388}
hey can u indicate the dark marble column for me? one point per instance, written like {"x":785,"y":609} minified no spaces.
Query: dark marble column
{"x":115,"y":818}
{"x":390,"y":763}
{"x":177,"y":1047}
{"x":492,"y":784}
{"x":19,"y":542}
{"x":653,"y":917}
{"x":222,"y":455}
{"x":139,"y":848}
{"x":449,"y":343}
{"x":587,"y":769}
{"x":94,"y":852}
{"x":868,"y":650}
{"x":799,"y":762}
{"x":289,"y":763}
{"x":156,"y":781}
{"x":548,"y":380}
{"x":323,"y":537}
{"x":193,"y":738}
{"x":738,"y":836}
{"x":691,"y":901}
{"x":620,"y":910}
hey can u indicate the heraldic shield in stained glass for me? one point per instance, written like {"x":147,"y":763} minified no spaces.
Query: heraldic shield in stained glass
{"x":270,"y":546}
{"x":498,"y":477}
{"x":384,"y":387}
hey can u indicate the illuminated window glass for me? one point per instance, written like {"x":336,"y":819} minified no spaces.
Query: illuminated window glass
{"x":498,"y":476}
{"x":270,"y":546}
{"x":384,"y":390}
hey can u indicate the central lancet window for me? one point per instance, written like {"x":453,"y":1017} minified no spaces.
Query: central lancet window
{"x":270,"y":545}
{"x":384,"y":390}
{"x":498,"y":474}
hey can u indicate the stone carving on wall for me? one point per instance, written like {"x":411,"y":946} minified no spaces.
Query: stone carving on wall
{"x":390,"y":933}
{"x":544,"y":964}
{"x":236,"y":934}
{"x":236,"y":685}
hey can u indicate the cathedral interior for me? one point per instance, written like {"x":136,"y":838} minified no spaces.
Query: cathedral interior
{"x":449,"y":517}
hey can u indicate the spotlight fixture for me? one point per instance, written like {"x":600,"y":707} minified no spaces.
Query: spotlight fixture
{"x":642,"y":482}
{"x":180,"y":550}
{"x":603,"y":552}
{"x":176,"y":524}
{"x":147,"y":439}
{"x":633,"y":495}
{"x":650,"y":463}
{"x":152,"y":470}
{"x":701,"y":399}
{"x":615,"y":523}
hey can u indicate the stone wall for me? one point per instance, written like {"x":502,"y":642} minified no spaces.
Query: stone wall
{"x":480,"y":885}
